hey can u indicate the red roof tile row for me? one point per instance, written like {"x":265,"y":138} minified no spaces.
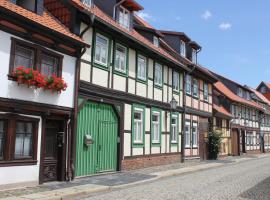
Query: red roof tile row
{"x":46,"y":20}
{"x":132,"y":33}
{"x":230,"y":95}
{"x":222,"y":110}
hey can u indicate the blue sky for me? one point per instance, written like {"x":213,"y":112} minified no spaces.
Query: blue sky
{"x":234,"y":35}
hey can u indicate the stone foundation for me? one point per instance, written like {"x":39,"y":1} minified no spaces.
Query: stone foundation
{"x":137,"y":162}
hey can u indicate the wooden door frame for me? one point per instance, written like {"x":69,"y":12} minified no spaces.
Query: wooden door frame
{"x":42,"y":147}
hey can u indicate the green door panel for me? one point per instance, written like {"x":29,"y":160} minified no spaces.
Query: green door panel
{"x":99,"y":121}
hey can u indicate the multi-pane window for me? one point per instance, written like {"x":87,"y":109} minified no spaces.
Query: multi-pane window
{"x":156,"y":41}
{"x":120,"y":58}
{"x":187,"y":134}
{"x":49,"y":64}
{"x":124,"y":17}
{"x":29,"y":56}
{"x":176,"y":82}
{"x":205,"y":91}
{"x":101,"y":50}
{"x":194,"y":56}
{"x":158,"y":74}
{"x":183,"y":48}
{"x":138,"y":125}
{"x":18,"y":139}
{"x":195,"y":88}
{"x":23,"y":141}
{"x":188,"y":84}
{"x":174,"y":124}
{"x":195,"y":134}
{"x":156,"y":127}
{"x":24,"y":56}
{"x":141,"y":71}
{"x":240,"y":92}
{"x":2,"y":138}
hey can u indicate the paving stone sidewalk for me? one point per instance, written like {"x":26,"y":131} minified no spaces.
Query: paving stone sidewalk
{"x":82,"y":186}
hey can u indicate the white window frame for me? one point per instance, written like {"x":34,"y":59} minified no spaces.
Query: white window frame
{"x":205,"y":92}
{"x":123,"y":12}
{"x":176,"y":81}
{"x":187,"y":133}
{"x":107,"y":50}
{"x":196,"y":88}
{"x":174,"y":129}
{"x":156,"y":41}
{"x":194,"y":56}
{"x":158,"y":74}
{"x":183,"y":48}
{"x":139,"y":70}
{"x":188,"y":82}
{"x":136,"y":139}
{"x":156,"y":136}
{"x":195,"y":125}
{"x":125,"y":58}
{"x":240,"y":92}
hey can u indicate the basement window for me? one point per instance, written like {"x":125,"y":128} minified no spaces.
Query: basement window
{"x":30,"y":5}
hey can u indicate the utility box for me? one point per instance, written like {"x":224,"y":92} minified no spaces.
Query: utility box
{"x":88,"y":140}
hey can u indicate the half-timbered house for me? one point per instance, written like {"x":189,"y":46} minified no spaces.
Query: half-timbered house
{"x":38,"y":57}
{"x":129,"y":81}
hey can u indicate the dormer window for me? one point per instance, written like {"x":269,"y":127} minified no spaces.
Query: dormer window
{"x":194,"y":56}
{"x":124,"y":17}
{"x":248,"y":95}
{"x":87,"y":2}
{"x":240,"y":92}
{"x":183,"y":48}
{"x":156,"y":41}
{"x":30,"y":5}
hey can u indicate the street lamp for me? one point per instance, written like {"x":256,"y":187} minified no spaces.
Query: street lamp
{"x":173,"y":103}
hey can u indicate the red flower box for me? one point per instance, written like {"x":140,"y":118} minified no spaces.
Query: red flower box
{"x":34,"y":78}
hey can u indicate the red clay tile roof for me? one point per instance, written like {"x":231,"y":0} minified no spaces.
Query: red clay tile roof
{"x":134,"y":34}
{"x":261,"y":96}
{"x":230,"y":95}
{"x":46,"y":20}
{"x":222,"y":110}
{"x":142,"y":21}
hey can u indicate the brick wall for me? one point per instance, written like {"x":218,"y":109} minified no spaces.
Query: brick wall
{"x":132,"y":163}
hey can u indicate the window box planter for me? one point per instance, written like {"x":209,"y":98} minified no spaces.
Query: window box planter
{"x":33,"y":78}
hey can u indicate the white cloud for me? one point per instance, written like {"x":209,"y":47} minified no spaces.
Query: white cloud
{"x":206,"y":15}
{"x":224,"y":26}
{"x":145,"y":16}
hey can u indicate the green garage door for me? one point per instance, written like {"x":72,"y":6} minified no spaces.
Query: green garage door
{"x":99,"y":121}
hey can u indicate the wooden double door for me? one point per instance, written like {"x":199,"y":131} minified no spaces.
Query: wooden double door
{"x":53,"y":151}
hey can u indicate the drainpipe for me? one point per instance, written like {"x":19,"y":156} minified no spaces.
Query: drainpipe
{"x":75,"y":116}
{"x":184,"y":115}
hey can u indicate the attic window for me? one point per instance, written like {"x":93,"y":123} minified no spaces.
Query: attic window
{"x":183,"y":48}
{"x":194,"y":56}
{"x":156,"y":41}
{"x":124,"y":17}
{"x":27,"y":4}
{"x":87,"y":2}
{"x":240,"y":92}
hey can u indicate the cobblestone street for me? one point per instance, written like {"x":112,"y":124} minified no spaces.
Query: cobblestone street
{"x":245,"y":180}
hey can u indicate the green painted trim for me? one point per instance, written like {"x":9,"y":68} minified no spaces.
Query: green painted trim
{"x":138,"y":145}
{"x":96,"y":64}
{"x":147,"y":63}
{"x":156,"y":144}
{"x":162,"y":75}
{"x":115,"y":71}
{"x":177,"y":128}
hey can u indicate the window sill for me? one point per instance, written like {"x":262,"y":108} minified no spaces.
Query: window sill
{"x":174,"y":143}
{"x":11,"y":78}
{"x":156,"y":144}
{"x":142,"y":81}
{"x":158,"y":86}
{"x":17,"y":163}
{"x":120,"y":73}
{"x":138,"y":145}
{"x":101,"y":66}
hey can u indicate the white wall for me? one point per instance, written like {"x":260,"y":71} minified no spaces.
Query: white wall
{"x":21,"y":174}
{"x":10,"y":89}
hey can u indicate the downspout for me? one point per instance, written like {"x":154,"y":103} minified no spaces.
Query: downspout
{"x":76,"y":91}
{"x":184,"y":115}
{"x":114,"y":8}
